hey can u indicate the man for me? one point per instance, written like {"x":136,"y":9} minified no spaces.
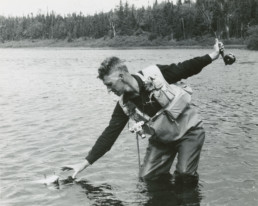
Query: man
{"x":165,"y":110}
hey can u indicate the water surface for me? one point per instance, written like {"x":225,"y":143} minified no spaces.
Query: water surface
{"x":53,"y":108}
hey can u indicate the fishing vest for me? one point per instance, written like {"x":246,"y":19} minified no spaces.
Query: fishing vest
{"x":177,"y":115}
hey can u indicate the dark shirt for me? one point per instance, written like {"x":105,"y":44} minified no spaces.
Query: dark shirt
{"x":144,"y":102}
{"x":172,"y":73}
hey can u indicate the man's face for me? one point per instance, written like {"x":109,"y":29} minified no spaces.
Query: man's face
{"x":114,"y":83}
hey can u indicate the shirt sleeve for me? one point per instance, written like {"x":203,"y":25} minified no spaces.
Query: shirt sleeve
{"x":174,"y":73}
{"x":109,"y":135}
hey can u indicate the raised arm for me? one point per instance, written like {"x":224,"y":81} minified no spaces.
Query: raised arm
{"x":176,"y":72}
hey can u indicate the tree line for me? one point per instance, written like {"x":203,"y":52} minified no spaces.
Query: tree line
{"x":183,"y":20}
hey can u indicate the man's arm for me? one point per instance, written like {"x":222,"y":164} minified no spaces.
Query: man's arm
{"x":109,"y":136}
{"x":104,"y":142}
{"x":174,"y":73}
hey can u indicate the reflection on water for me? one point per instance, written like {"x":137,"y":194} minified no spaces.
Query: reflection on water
{"x":53,"y":108}
{"x":101,"y":195}
{"x":158,"y":192}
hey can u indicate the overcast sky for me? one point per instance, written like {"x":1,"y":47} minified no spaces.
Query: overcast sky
{"x":24,"y":7}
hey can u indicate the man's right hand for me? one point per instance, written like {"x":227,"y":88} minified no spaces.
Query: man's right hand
{"x":77,"y":168}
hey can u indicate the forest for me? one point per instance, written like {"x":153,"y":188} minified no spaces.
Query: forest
{"x":225,"y":19}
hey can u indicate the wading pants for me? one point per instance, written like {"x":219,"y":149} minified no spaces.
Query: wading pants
{"x":159,"y":157}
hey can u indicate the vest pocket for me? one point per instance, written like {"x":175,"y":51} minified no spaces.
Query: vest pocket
{"x":175,"y":108}
{"x":166,"y":129}
{"x":164,"y":96}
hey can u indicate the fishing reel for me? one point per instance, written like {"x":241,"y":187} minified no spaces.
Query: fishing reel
{"x":137,"y":128}
{"x":228,"y":58}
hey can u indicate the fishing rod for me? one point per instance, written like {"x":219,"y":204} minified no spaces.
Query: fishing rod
{"x":228,"y":58}
{"x":138,"y":151}
{"x":137,"y":129}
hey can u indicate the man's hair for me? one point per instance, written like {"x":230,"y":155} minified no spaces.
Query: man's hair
{"x":109,"y":64}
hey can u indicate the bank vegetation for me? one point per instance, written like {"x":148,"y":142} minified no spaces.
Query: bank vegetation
{"x":160,"y":24}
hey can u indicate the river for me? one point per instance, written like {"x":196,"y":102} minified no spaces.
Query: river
{"x":53,"y":108}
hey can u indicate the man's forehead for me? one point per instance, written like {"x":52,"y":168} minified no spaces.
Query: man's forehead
{"x":106,"y":80}
{"x":111,"y":76}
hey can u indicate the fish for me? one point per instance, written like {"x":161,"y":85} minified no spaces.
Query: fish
{"x":53,"y":179}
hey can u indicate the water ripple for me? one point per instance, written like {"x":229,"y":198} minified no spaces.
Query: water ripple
{"x":53,"y":108}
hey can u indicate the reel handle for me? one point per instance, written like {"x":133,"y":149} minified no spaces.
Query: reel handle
{"x":228,"y":58}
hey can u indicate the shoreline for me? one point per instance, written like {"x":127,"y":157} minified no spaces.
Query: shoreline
{"x":119,"y":43}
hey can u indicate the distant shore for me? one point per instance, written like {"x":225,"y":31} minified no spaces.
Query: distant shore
{"x":120,"y":42}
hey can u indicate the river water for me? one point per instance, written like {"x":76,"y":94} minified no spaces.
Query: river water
{"x":53,"y":108}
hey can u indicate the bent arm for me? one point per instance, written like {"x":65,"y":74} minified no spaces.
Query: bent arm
{"x":176,"y":72}
{"x":109,"y":136}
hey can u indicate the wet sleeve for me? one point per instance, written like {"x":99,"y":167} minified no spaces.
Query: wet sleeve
{"x":109,"y":135}
{"x":176,"y":72}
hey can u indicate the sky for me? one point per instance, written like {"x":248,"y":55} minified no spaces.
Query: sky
{"x":87,"y":7}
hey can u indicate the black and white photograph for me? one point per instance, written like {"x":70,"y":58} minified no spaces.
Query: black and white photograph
{"x":129,"y":102}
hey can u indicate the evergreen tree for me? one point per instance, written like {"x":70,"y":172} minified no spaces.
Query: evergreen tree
{"x":185,"y":19}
